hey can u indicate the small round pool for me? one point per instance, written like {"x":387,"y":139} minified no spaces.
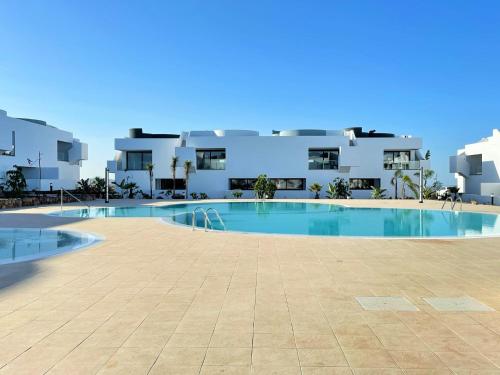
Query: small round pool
{"x":315,"y":219}
{"x":17,"y":245}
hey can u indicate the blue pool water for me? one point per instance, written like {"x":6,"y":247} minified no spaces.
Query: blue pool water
{"x":316,"y":219}
{"x":27,"y":244}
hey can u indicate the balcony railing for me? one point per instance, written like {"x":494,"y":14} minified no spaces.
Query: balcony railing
{"x":393,"y":165}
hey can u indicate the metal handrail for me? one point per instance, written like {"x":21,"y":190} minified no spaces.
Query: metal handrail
{"x":218,"y":217}
{"x":72,"y":196}
{"x":193,"y":217}
{"x":455,"y":202}
{"x":446,"y":200}
{"x":206,"y":217}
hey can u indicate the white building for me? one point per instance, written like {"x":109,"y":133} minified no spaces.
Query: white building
{"x":477,"y":169}
{"x":48,"y":156}
{"x":227,"y":160}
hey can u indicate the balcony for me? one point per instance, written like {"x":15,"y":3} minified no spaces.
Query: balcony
{"x":404,"y":165}
{"x":78,"y":151}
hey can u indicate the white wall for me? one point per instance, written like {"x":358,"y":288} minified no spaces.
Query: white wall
{"x":277,"y":156}
{"x":32,"y":138}
{"x":472,"y":185}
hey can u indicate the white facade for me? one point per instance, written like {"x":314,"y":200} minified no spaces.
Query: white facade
{"x":477,"y":168}
{"x":283,"y":155}
{"x":48,"y":156}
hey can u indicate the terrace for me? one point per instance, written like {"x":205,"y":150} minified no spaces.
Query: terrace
{"x":162,"y":299}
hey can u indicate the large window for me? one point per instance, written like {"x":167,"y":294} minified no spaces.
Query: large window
{"x":475,"y":164}
{"x":213,"y":159}
{"x":12,"y":151}
{"x":327,"y":158}
{"x":363,"y":183}
{"x":399,"y":160}
{"x":63,"y":150}
{"x":281,"y":183}
{"x":138,"y":160}
{"x":168,"y":184}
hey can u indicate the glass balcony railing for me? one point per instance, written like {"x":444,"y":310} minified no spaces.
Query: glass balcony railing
{"x":393,"y":165}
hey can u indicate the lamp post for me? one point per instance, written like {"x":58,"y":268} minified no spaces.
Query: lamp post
{"x":106,"y":179}
{"x":421,"y":186}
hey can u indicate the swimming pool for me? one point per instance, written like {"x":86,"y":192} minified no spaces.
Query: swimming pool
{"x":316,"y":219}
{"x":18,"y":245}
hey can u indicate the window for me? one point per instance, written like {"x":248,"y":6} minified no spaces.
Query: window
{"x":63,"y":150}
{"x":12,"y":151}
{"x":137,"y":160}
{"x":398,"y":160}
{"x":281,"y":183}
{"x":363,"y":183}
{"x":241,"y":183}
{"x":214,"y":159}
{"x":168,"y":184}
{"x":289,"y":183}
{"x":475,"y":164}
{"x":327,"y":158}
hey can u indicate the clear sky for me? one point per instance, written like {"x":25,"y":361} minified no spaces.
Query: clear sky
{"x":98,"y":68}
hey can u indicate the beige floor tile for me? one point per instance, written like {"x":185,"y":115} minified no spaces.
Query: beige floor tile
{"x":321,"y":357}
{"x":348,"y":342}
{"x":236,"y":370}
{"x":416,"y":360}
{"x":273,"y":340}
{"x":189,"y":340}
{"x":307,"y":340}
{"x":228,"y":357}
{"x":471,"y":361}
{"x":274,"y":357}
{"x":182,"y":356}
{"x":160,"y":368}
{"x":374,"y":358}
{"x":228,"y":339}
{"x":326,"y":371}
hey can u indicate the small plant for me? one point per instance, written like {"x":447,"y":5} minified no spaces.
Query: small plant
{"x":15,"y":182}
{"x":129,"y":188}
{"x":203,"y":196}
{"x":84,"y":186}
{"x":264,"y":187}
{"x":338,"y":189}
{"x":237,"y":194}
{"x":316,"y":189}
{"x":378,"y":193}
{"x":194,"y":195}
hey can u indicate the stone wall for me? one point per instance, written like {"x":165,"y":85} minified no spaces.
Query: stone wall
{"x":37,"y":201}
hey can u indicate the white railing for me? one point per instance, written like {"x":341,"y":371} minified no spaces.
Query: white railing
{"x":72,"y":196}
{"x":207,"y":220}
{"x":453,"y":202}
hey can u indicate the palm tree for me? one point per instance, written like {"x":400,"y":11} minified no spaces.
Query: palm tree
{"x":428,"y":174}
{"x":149,"y":168}
{"x":187,"y":170}
{"x":378,"y":193}
{"x":173,"y":167}
{"x":407,"y":181}
{"x":316,"y":189}
{"x":394,"y":181}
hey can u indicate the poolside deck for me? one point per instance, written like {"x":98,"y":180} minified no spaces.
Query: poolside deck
{"x":161,"y":299}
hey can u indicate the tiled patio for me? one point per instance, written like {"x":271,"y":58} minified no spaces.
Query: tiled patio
{"x":158,"y":299}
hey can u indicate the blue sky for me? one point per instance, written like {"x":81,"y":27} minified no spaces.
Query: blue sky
{"x":426,"y":68}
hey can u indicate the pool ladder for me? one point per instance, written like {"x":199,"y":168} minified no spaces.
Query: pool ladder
{"x":453,"y":203}
{"x":206,"y":217}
